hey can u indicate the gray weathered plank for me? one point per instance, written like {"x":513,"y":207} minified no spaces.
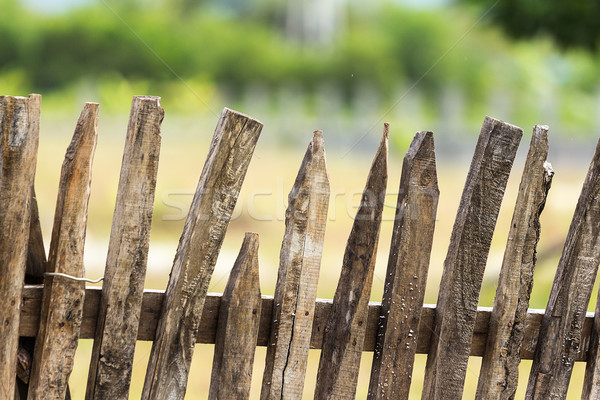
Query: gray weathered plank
{"x":19,"y":135}
{"x":406,"y":275}
{"x":467,"y":255}
{"x":218,"y":188}
{"x":237,"y":330}
{"x":560,"y":333}
{"x":345,"y":332}
{"x":62,"y":303}
{"x":591,"y":381}
{"x":36,"y":254}
{"x":499,"y":374}
{"x":298,"y":276}
{"x":118,"y":319}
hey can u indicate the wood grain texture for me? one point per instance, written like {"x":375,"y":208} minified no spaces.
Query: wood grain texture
{"x":19,"y":135}
{"x":345,"y":332}
{"x":237,"y":330}
{"x":298,"y":276}
{"x":62,"y":302}
{"x":467,"y":255}
{"x":36,"y":253}
{"x":118,"y":319}
{"x":153,"y":299}
{"x":499,"y":373}
{"x":218,"y":188}
{"x":406,"y":275}
{"x":591,"y":381}
{"x":560,"y":335}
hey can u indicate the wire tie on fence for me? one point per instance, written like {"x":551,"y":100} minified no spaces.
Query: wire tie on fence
{"x":74,"y":277}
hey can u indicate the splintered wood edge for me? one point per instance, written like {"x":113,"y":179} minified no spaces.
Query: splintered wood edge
{"x":152,"y":303}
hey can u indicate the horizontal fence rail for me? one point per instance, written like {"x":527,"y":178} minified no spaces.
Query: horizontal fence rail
{"x":152,"y":303}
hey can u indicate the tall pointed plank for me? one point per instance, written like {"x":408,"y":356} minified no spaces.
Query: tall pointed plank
{"x":465,"y":262}
{"x":237,"y":330}
{"x":499,"y":374}
{"x":345,"y":331}
{"x":118,"y":317}
{"x":219,"y":186}
{"x":407,"y":269}
{"x":296,"y":289}
{"x":62,"y":302}
{"x":19,"y":135}
{"x":560,"y":333}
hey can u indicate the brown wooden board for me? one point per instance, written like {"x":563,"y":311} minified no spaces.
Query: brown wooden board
{"x":499,"y":374}
{"x":467,"y":255}
{"x":296,"y":289}
{"x":406,"y":275}
{"x":345,"y":331}
{"x":237,"y":330}
{"x":560,"y":336}
{"x":63,"y":298}
{"x":19,"y":135}
{"x":118,"y":319}
{"x":218,"y":188}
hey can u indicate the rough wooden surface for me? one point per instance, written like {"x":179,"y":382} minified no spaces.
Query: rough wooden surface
{"x":36,"y":254}
{"x":591,"y":381}
{"x":296,"y":289}
{"x":153,"y":299}
{"x":406,"y":275}
{"x":62,"y":303}
{"x":237,"y":330}
{"x":466,"y":259}
{"x":218,"y":188}
{"x":499,"y":373}
{"x":114,"y":344}
{"x":19,"y":134}
{"x":344,"y":333}
{"x":560,"y":336}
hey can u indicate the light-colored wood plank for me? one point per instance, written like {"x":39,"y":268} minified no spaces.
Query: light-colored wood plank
{"x":153,"y":299}
{"x":560,"y":334}
{"x":63,"y":298}
{"x":296,"y":289}
{"x":237,"y":330}
{"x":406,"y":275}
{"x":345,"y":332}
{"x":465,"y":262}
{"x":218,"y":188}
{"x":499,"y":374}
{"x":19,"y":135}
{"x":118,"y":319}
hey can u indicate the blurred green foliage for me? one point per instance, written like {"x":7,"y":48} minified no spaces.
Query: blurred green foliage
{"x":107,"y":48}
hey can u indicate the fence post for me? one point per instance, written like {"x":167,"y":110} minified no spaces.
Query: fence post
{"x":296,"y":289}
{"x":237,"y":330}
{"x":19,"y":134}
{"x":465,"y":263}
{"x":406,"y":275}
{"x":499,"y":374}
{"x":345,"y":331}
{"x":62,"y":302}
{"x":218,"y":188}
{"x":118,"y":317}
{"x":560,"y":332}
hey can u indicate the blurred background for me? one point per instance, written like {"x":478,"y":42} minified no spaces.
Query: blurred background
{"x":342,"y":66}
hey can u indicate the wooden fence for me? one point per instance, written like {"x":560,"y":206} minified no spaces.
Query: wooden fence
{"x":40,"y":325}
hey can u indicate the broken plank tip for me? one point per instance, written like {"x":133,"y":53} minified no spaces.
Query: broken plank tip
{"x":227,"y":110}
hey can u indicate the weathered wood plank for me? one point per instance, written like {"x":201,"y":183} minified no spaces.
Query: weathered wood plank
{"x":118,"y":320}
{"x":298,"y":276}
{"x":219,"y":186}
{"x":591,"y":382}
{"x":19,"y":135}
{"x":237,"y":330}
{"x":406,"y":275}
{"x":62,"y":303}
{"x":467,"y":255}
{"x":499,"y":374}
{"x":153,"y":299}
{"x":560,"y":334}
{"x":345,"y":332}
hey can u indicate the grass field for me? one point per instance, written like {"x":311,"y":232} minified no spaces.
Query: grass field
{"x":261,"y":208}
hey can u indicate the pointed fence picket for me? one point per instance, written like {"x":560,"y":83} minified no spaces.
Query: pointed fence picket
{"x":58,"y":313}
